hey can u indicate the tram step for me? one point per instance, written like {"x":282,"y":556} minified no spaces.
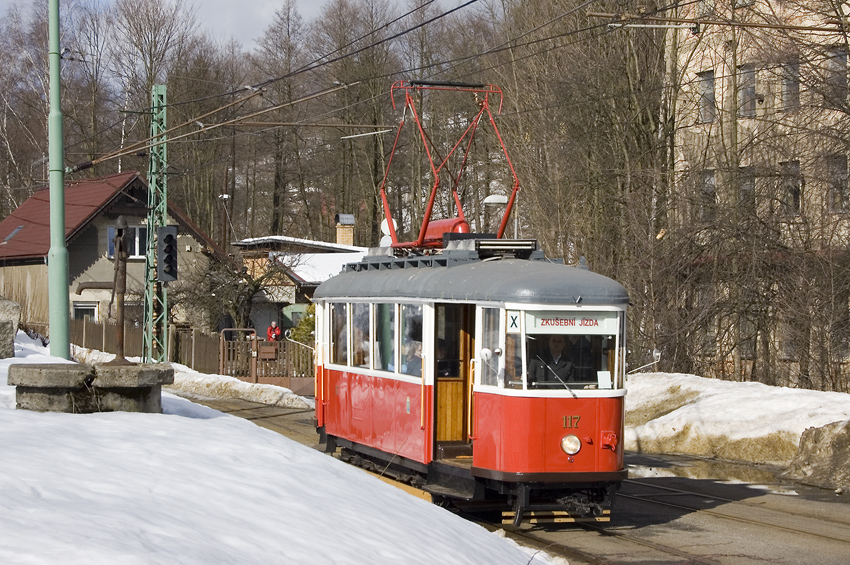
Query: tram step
{"x":441,"y":490}
{"x":554,"y":517}
{"x":454,"y":450}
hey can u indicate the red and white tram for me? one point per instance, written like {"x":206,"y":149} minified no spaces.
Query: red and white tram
{"x":432,"y":369}
{"x":469,"y":365}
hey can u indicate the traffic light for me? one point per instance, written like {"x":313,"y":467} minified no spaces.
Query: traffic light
{"x":166,"y":253}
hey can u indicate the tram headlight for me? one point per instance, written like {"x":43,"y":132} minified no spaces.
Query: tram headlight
{"x":570,"y":444}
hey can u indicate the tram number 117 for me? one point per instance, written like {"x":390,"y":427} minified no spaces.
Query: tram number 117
{"x":571,"y":421}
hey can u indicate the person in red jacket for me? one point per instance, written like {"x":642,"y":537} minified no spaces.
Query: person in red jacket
{"x":273,"y":333}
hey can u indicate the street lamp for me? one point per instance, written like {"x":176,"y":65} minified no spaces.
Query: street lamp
{"x":224,"y":217}
{"x":502,"y":200}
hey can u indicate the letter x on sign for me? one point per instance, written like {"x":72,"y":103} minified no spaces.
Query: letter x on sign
{"x":514,"y":321}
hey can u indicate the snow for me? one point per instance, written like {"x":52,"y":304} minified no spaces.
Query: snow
{"x":193,"y":485}
{"x":744,"y":421}
{"x":318,"y":267}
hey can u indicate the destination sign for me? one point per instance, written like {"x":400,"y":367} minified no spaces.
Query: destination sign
{"x":603,"y":323}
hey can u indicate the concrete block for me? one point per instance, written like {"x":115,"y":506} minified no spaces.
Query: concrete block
{"x":10,"y":319}
{"x":50,"y":375}
{"x":84,"y":389}
{"x":132,"y":376}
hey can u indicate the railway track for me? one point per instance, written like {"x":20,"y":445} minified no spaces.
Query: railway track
{"x":777,"y":519}
{"x":531,"y":539}
{"x":670,"y":523}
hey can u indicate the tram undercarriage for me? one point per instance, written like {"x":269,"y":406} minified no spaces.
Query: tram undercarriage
{"x":453,"y":482}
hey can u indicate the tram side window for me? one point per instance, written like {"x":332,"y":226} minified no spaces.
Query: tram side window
{"x":361,"y":336}
{"x":513,"y":361}
{"x":411,"y":335}
{"x":490,"y":346}
{"x":339,"y":333}
{"x":385,"y":337}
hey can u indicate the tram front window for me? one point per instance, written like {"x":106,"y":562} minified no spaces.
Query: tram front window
{"x":559,"y":360}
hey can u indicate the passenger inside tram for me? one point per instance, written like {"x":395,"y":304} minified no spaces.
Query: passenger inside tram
{"x":412,"y":363}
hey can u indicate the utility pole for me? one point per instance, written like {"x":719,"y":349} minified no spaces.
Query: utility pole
{"x":155,"y":339}
{"x":57,"y":256}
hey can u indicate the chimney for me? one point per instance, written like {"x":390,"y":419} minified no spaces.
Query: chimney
{"x":344,"y":229}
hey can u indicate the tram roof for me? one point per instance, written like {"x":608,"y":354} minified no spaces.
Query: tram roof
{"x":498,"y":279}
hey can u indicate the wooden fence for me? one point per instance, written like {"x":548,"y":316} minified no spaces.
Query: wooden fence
{"x":283,"y":363}
{"x":103,"y":337}
{"x":236,"y":353}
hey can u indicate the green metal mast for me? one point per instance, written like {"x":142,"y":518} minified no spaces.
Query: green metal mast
{"x":57,"y":256}
{"x":155,"y":340}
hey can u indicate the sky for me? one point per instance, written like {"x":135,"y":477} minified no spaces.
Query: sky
{"x":196,"y":486}
{"x":243,"y":20}
{"x":246,"y":20}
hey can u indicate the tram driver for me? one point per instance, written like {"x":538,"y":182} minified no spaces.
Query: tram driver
{"x":552,"y":364}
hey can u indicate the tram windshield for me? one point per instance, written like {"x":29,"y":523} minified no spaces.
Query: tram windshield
{"x":563,"y":350}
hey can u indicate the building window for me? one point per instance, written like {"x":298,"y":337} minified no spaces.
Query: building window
{"x":137,"y":241}
{"x":791,"y":85}
{"x":747,"y":191}
{"x":707,"y":196}
{"x":748,"y":339}
{"x":790,"y":339}
{"x":707,"y":106}
{"x":835,"y":87}
{"x":83,"y":310}
{"x":791,"y":187}
{"x":836,"y":170}
{"x":747,"y":91}
{"x":705,"y":329}
{"x":134,"y":314}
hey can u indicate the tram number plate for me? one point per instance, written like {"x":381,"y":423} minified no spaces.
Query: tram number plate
{"x":571,"y":421}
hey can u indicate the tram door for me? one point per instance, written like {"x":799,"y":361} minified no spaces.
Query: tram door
{"x":453,"y":350}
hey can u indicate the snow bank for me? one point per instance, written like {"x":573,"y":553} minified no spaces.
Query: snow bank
{"x":676,"y":413}
{"x":195,"y":486}
{"x":824,"y":457}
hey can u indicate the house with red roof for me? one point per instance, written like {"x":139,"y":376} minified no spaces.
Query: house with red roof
{"x":92,"y":207}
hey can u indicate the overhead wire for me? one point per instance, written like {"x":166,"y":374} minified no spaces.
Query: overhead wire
{"x":316,"y":64}
{"x":149,"y":143}
{"x":322,"y":61}
{"x":138,"y":145}
{"x":370,"y":46}
{"x":365,"y":35}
